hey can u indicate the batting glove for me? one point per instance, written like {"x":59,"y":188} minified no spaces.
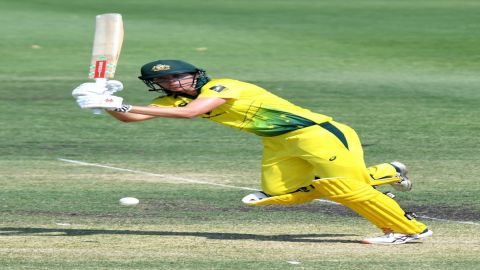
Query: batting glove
{"x":86,"y":89}
{"x":108,"y":102}
{"x":113,"y":86}
{"x":91,"y":88}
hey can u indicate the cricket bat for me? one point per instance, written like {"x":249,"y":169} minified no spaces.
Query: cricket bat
{"x":107,"y":44}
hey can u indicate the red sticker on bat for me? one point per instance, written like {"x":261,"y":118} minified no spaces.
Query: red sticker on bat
{"x":100,"y":68}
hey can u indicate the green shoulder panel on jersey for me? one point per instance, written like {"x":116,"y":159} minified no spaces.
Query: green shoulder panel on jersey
{"x":271,"y":122}
{"x":252,"y":108}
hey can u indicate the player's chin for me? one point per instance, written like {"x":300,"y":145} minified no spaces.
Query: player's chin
{"x":175,"y":89}
{"x":179,"y":89}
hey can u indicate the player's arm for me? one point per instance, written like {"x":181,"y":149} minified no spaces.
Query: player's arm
{"x":193,"y":109}
{"x":129,"y":116}
{"x":88,"y":96}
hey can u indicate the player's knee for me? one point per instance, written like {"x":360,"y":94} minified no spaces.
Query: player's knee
{"x":341,"y":187}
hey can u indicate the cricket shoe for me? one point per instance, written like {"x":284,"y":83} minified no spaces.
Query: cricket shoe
{"x":426,"y":233}
{"x":255,"y":197}
{"x":404,"y":184}
{"x":392,"y":238}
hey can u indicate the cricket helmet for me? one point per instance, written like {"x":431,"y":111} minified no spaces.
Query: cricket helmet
{"x":160,"y":68}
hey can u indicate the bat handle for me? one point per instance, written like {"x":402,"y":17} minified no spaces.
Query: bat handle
{"x":101,"y":83}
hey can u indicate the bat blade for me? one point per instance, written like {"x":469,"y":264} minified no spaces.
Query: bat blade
{"x":107,"y":44}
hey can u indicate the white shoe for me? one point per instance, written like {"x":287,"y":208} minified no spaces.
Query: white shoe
{"x":396,"y":238}
{"x":255,"y":197}
{"x":426,"y":233}
{"x":405,"y":184}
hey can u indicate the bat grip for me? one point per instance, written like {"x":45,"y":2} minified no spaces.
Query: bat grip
{"x":101,"y":83}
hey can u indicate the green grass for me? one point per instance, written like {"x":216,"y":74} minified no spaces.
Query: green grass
{"x":402,"y":73}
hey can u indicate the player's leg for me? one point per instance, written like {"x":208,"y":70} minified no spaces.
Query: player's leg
{"x":285,"y":175}
{"x":302,"y":195}
{"x":345,"y":180}
{"x":373,"y":205}
{"x":286,"y":179}
{"x":383,"y":170}
{"x":393,"y":173}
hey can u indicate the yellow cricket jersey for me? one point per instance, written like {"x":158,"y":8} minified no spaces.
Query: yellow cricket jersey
{"x":249,"y":108}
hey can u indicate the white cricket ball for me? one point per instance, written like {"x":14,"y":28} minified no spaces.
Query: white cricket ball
{"x":129,"y":201}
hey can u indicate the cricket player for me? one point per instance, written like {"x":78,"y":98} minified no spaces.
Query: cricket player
{"x":306,"y":155}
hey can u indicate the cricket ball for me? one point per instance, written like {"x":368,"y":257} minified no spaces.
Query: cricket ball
{"x":129,"y":201}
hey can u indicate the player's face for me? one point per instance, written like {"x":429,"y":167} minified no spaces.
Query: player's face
{"x":183,"y":82}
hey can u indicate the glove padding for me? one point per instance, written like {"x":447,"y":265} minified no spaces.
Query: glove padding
{"x":92,"y":88}
{"x":108,"y":102}
{"x":113,"y":86}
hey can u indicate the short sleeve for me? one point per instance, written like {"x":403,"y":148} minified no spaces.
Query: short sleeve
{"x":221,"y":88}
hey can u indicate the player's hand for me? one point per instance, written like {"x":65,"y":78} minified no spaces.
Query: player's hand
{"x":107,"y":102}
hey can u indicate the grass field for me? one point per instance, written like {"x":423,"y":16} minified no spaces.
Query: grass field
{"x":404,"y":74}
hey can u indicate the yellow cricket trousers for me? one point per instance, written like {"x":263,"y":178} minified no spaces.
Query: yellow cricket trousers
{"x":333,"y":152}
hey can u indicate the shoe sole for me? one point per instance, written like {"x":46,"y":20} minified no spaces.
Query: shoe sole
{"x":380,"y":243}
{"x":424,"y":234}
{"x":398,"y":242}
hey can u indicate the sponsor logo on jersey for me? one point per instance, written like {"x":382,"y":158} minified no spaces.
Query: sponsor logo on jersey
{"x":218,"y":88}
{"x":160,"y":67}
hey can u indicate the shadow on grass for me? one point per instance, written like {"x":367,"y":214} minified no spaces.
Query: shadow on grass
{"x":306,"y":238}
